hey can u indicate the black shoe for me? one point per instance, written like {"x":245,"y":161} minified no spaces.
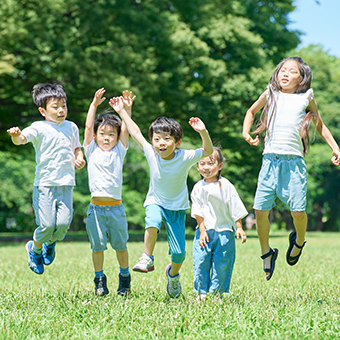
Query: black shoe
{"x":101,"y":288}
{"x":124,"y":285}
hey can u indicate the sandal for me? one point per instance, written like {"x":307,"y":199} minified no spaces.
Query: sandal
{"x":293,"y":260}
{"x":274,"y":253}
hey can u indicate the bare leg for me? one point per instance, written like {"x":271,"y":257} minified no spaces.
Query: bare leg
{"x":98,"y":260}
{"x":38,"y":245}
{"x":123,"y":258}
{"x":175,"y":267}
{"x":150,"y":239}
{"x":300,"y":223}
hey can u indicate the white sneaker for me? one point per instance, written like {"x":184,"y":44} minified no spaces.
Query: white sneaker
{"x":174,"y":288}
{"x":144,"y":265}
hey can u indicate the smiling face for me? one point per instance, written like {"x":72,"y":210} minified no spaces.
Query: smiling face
{"x":209,"y":168}
{"x":165,"y":145}
{"x":107,"y":137}
{"x":289,"y":76}
{"x":56,"y":110}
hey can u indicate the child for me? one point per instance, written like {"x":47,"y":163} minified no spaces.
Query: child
{"x":167,"y":198}
{"x":106,"y":219}
{"x":218,"y":210}
{"x":57,"y":148}
{"x":289,"y":106}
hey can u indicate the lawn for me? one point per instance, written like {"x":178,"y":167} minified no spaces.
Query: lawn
{"x":300,"y":302}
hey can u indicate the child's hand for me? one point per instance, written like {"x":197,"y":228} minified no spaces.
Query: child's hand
{"x":127,"y":99}
{"x":336,"y":157}
{"x":79,"y":163}
{"x":204,"y":239}
{"x":14,"y":132}
{"x":197,"y":124}
{"x":97,"y":100}
{"x":117,"y":103}
{"x":240,"y":232}
{"x":252,"y":141}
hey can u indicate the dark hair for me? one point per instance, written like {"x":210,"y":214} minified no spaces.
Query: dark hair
{"x":166,"y":125}
{"x":274,"y":87}
{"x":107,"y":119}
{"x":43,"y":93}
{"x":216,"y":155}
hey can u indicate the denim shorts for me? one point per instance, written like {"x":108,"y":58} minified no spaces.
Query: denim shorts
{"x":283,"y":177}
{"x":53,"y":208}
{"x":174,"y":221}
{"x":107,"y":223}
{"x":213,"y":264}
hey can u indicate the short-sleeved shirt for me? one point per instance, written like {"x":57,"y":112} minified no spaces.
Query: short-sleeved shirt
{"x":218,"y":203}
{"x":54,"y":145}
{"x":105,"y":170}
{"x":168,"y":178}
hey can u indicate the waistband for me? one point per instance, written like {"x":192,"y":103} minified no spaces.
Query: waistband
{"x":279,"y":156}
{"x":105,"y":204}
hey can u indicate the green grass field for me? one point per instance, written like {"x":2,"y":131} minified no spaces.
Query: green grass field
{"x":301,"y":302}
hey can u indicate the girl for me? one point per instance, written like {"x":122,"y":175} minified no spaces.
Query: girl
{"x":289,"y":106}
{"x":218,"y":210}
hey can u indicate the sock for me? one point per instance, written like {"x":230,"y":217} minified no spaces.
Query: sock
{"x":171,"y":275}
{"x":124,"y":271}
{"x":99,"y":274}
{"x":36,"y":249}
{"x":151,"y":256}
{"x":50,"y":241}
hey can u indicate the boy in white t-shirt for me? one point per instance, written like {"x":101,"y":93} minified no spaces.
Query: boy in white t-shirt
{"x":167,"y":198}
{"x":57,"y":148}
{"x":106,"y":219}
{"x":218,"y":210}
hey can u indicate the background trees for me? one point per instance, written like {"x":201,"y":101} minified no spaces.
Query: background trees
{"x":205,"y":58}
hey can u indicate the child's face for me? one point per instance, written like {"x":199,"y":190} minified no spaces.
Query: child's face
{"x":289,"y":76}
{"x":209,"y":168}
{"x":165,"y":145}
{"x":106,"y":137}
{"x":56,"y":110}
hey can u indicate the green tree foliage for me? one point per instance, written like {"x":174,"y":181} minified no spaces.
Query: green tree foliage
{"x":205,"y":58}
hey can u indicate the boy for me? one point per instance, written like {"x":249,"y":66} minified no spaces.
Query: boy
{"x":57,"y":148}
{"x":106,"y":219}
{"x":167,"y":198}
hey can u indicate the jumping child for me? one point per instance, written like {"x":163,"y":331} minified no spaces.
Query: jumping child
{"x":218,"y":210}
{"x":57,"y":151}
{"x":289,"y":107}
{"x":106,"y":218}
{"x":167,"y":198}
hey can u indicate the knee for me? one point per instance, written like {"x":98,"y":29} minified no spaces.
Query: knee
{"x":298,"y":215}
{"x":261,"y":215}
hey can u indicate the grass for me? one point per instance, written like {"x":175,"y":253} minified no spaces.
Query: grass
{"x":300,"y":302}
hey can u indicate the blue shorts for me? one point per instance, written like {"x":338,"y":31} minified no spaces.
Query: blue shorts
{"x":213,"y":264}
{"x":107,"y":223}
{"x":174,"y":221}
{"x":282,"y":176}
{"x":53,"y":208}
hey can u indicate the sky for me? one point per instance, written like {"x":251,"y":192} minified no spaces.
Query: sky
{"x":320,"y":21}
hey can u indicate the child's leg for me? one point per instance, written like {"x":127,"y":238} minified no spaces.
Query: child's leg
{"x":300,"y":222}
{"x":123,"y":258}
{"x":150,"y":238}
{"x":98,"y":260}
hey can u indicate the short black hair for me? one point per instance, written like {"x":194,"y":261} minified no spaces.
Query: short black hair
{"x":166,"y":125}
{"x":107,"y":119}
{"x":42,"y":93}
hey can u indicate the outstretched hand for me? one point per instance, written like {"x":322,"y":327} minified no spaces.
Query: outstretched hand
{"x":14,"y":132}
{"x":252,"y":141}
{"x":98,"y":97}
{"x":117,"y":103}
{"x":197,"y":124}
{"x":336,"y":158}
{"x":127,"y":99}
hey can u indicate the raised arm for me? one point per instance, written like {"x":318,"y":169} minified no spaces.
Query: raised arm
{"x":324,"y":132}
{"x":127,"y":99}
{"x":118,"y":106}
{"x":199,"y":126}
{"x":249,"y":119}
{"x":91,"y":116}
{"x":16,"y":136}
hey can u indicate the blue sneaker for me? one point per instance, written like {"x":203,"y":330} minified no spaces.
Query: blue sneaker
{"x":124,"y":285}
{"x":100,"y":286}
{"x":48,"y":253}
{"x":174,"y":288}
{"x":35,"y":261}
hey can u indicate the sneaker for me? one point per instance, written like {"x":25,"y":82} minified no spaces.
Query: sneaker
{"x":100,"y":286}
{"x":48,"y":253}
{"x":124,"y":285}
{"x":174,"y":286}
{"x":144,"y":265}
{"x":35,"y":261}
{"x":201,"y":297}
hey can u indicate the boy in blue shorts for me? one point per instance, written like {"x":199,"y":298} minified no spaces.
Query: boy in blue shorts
{"x":57,"y":148}
{"x":106,"y":219}
{"x":167,"y":198}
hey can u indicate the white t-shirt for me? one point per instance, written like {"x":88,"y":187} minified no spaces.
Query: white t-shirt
{"x":284,"y":130}
{"x":105,"y":169}
{"x":54,"y":145}
{"x":168,"y":178}
{"x":218,"y":203}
